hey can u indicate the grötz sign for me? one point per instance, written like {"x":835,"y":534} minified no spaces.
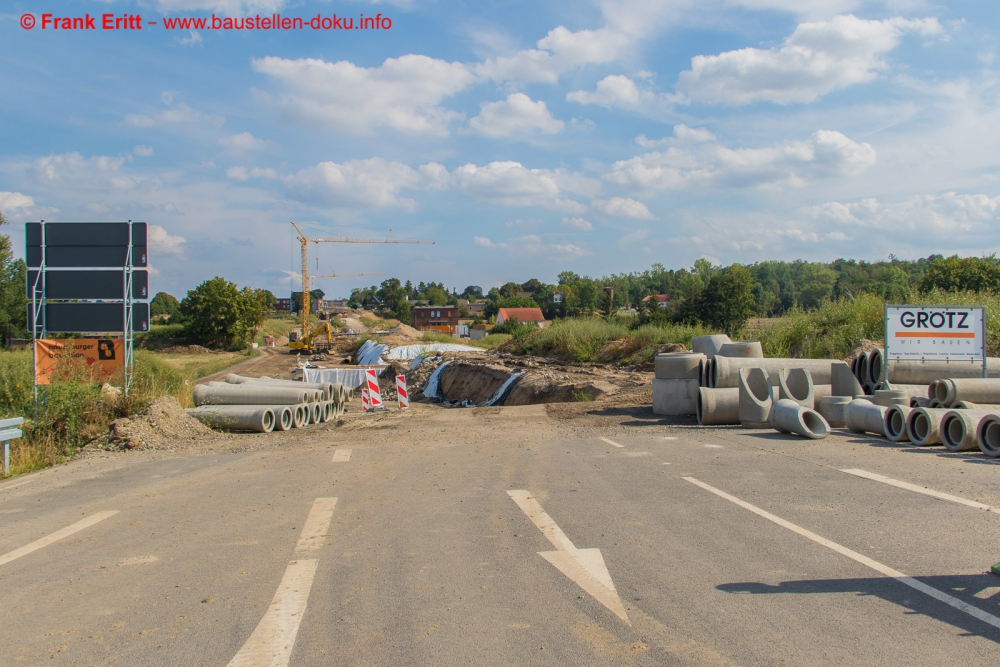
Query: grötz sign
{"x":935,"y":332}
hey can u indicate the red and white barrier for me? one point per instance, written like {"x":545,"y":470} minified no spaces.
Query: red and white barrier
{"x":364,"y":398}
{"x":374,"y":396}
{"x":401,"y":395}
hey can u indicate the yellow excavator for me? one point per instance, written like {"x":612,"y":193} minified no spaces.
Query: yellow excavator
{"x":308,"y":342}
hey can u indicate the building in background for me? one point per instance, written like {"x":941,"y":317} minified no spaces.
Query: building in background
{"x":435,"y":318}
{"x":522,"y":315}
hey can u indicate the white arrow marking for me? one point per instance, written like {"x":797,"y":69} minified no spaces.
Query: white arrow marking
{"x":585,"y":567}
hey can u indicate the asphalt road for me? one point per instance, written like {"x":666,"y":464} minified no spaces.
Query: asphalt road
{"x":467,"y":537}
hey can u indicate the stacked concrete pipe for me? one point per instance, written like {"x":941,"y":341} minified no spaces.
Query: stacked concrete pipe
{"x":894,"y":423}
{"x":950,"y":391}
{"x":251,"y":395}
{"x":863,"y":416}
{"x":795,"y":384}
{"x":843,"y":382}
{"x":725,"y":373}
{"x":959,"y":427}
{"x":709,"y":345}
{"x":988,"y":435}
{"x":756,"y":397}
{"x":675,"y":386}
{"x":788,"y":416}
{"x":923,"y":426}
{"x":718,"y":407}
{"x":912,"y":371}
{"x":235,"y":417}
{"x":887,"y":397}
{"x":834,"y":410}
{"x":742,"y":349}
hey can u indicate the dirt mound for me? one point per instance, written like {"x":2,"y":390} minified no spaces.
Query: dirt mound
{"x":162,"y":425}
{"x":185,"y":349}
{"x":406,"y":331}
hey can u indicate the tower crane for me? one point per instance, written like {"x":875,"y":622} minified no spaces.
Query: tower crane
{"x":306,"y":342}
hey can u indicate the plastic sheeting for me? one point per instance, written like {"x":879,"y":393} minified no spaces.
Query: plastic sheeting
{"x":433,"y":389}
{"x":349,"y":377}
{"x":371,"y":352}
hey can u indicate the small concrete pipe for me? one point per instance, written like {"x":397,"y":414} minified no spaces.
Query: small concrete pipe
{"x":789,"y":416}
{"x":958,"y":429}
{"x":315,"y":413}
{"x":862,"y":372}
{"x":843,"y":382}
{"x":863,"y":416}
{"x":235,"y":417}
{"x":887,"y":397}
{"x":283,"y":414}
{"x":718,"y":407}
{"x":895,"y":423}
{"x":833,"y":409}
{"x":249,"y":395}
{"x":978,"y":390}
{"x":936,"y":404}
{"x":919,"y":402}
{"x":678,"y":366}
{"x":709,"y":345}
{"x":924,"y":426}
{"x":911,"y":371}
{"x":300,"y":417}
{"x":756,"y":398}
{"x":795,"y":384}
{"x":726,"y":371}
{"x":920,"y":390}
{"x":988,"y":435}
{"x":745,"y":349}
{"x":875,"y":365}
{"x":325,"y":387}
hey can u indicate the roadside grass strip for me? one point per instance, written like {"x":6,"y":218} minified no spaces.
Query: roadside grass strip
{"x":613,"y":443}
{"x":56,"y":536}
{"x":272,"y":641}
{"x":902,"y":578}
{"x":916,"y":489}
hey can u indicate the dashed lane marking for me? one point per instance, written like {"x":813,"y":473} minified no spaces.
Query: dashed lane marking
{"x":316,"y":526}
{"x":714,"y":446}
{"x":56,"y":536}
{"x":854,"y":555}
{"x":669,"y":437}
{"x":613,"y":443}
{"x":916,"y":489}
{"x":341,"y":455}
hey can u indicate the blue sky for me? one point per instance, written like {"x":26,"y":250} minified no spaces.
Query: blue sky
{"x":524,"y":138}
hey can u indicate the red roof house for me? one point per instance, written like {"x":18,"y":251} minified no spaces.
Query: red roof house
{"x":531,"y":315}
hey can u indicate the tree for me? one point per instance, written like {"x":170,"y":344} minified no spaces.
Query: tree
{"x":728,"y":302}
{"x":436,"y":295}
{"x":975,"y":274}
{"x":403,"y":311}
{"x":164,"y":304}
{"x":510,"y":289}
{"x":492,"y":307}
{"x":473,"y":292}
{"x":392,"y":293}
{"x":13,"y":300}
{"x":532,"y":285}
{"x":269,"y":299}
{"x":220,"y":315}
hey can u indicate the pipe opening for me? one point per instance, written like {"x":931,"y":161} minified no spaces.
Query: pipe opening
{"x":698,"y":409}
{"x":921,"y":426}
{"x":941,"y":392}
{"x":895,"y":424}
{"x":268,"y":420}
{"x":954,"y":431}
{"x":991,"y":438}
{"x":814,"y":422}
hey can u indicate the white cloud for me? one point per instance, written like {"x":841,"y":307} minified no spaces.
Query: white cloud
{"x":532,"y":245}
{"x":181,"y":113}
{"x":633,"y":237}
{"x":371,"y":183}
{"x":162,"y":242}
{"x":621,"y":207}
{"x":194,"y":38}
{"x":142,"y":151}
{"x":682,"y":133}
{"x":818,"y":58}
{"x":242,"y":143}
{"x":614,"y":90}
{"x":936,"y":215}
{"x":12,"y":200}
{"x":517,"y":116}
{"x":402,"y":93}
{"x":244,"y":174}
{"x":514,"y":184}
{"x":482,"y":241}
{"x":578,"y":224}
{"x":825,"y":154}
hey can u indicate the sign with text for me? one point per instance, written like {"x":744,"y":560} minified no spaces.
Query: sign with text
{"x":104,"y":357}
{"x":935,"y":332}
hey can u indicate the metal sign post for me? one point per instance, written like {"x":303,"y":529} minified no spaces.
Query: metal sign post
{"x":939,"y":333}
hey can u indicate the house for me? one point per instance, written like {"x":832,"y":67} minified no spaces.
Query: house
{"x":475,"y":308}
{"x":283,"y":305}
{"x":530,"y":315}
{"x":435,"y":318}
{"x":660,"y":299}
{"x":479,"y":331}
{"x":373,"y":303}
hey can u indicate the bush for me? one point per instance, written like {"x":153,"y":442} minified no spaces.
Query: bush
{"x":219,"y":315}
{"x":515,"y":329}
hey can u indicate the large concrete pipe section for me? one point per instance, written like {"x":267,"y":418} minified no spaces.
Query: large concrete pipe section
{"x":863,"y":416}
{"x":887,"y":397}
{"x":300,"y":416}
{"x":924,"y":426}
{"x":788,"y":416}
{"x":726,"y":371}
{"x":745,"y":349}
{"x":795,"y":384}
{"x":919,"y":402}
{"x":977,"y":390}
{"x":988,"y":435}
{"x":920,"y":390}
{"x":709,"y":345}
{"x":718,"y":407}
{"x":678,"y":365}
{"x":235,"y":417}
{"x":756,"y":398}
{"x":843,"y":382}
{"x":249,"y":395}
{"x":875,"y":366}
{"x":326,"y":387}
{"x":958,"y":429}
{"x":834,"y":410}
{"x":862,"y":369}
{"x":968,"y":405}
{"x":283,"y":414}
{"x":675,"y":387}
{"x":911,"y":371}
{"x":895,"y":423}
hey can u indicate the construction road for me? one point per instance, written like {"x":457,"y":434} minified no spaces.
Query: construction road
{"x":507,"y":536}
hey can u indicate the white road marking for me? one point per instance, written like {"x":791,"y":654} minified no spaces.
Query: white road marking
{"x":664,"y":463}
{"x":341,"y":455}
{"x":916,"y":489}
{"x":584,"y":567}
{"x":669,"y":437}
{"x":613,"y":443}
{"x":272,"y":641}
{"x":854,"y":555}
{"x":56,"y":536}
{"x":317,"y":524}
{"x":714,"y":446}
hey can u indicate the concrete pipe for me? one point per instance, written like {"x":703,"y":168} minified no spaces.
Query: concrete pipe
{"x":919,"y":402}
{"x":924,"y":426}
{"x":325,"y":387}
{"x":283,"y":414}
{"x":862,"y":372}
{"x":833,"y":409}
{"x":746,"y":349}
{"x":966,"y":405}
{"x":709,"y":379}
{"x":675,"y":397}
{"x":978,"y":390}
{"x":875,"y":366}
{"x":756,"y":398}
{"x":300,"y":416}
{"x":887,"y":397}
{"x":958,"y":429}
{"x":726,"y":371}
{"x":790,"y":417}
{"x":863,"y":416}
{"x":235,"y":417}
{"x":678,"y":366}
{"x":988,"y":435}
{"x":910,"y":389}
{"x":870,"y":388}
{"x":843,"y":382}
{"x":911,"y":371}
{"x":717,"y":407}
{"x":795,"y":384}
{"x":895,"y":423}
{"x":819,"y":391}
{"x":315,"y":413}
{"x":709,"y":345}
{"x":936,"y":404}
{"x":249,"y":395}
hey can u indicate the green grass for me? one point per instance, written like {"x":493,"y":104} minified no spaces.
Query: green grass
{"x":487,"y":343}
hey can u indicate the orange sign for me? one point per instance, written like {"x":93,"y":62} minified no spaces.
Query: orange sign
{"x":103,"y":356}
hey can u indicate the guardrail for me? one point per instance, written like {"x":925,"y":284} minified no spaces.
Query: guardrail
{"x":8,"y":432}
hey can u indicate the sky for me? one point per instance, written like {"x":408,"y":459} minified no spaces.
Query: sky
{"x":522,"y":138}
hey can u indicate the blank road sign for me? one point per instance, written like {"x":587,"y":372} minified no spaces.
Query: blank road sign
{"x":89,"y":284}
{"x":90,"y":317}
{"x":72,"y":244}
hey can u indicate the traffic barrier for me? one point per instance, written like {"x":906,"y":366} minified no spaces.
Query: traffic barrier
{"x":374,"y":395}
{"x":401,"y":396}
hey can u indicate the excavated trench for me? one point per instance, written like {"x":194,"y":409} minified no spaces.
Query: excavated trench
{"x":477,"y":383}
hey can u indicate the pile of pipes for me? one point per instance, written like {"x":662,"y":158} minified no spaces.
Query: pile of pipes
{"x":869,"y":366}
{"x":267,"y":404}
